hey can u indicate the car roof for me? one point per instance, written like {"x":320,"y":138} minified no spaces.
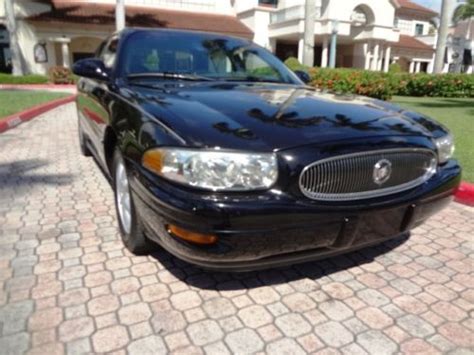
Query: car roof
{"x":130,"y":30}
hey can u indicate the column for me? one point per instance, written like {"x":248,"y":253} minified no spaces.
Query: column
{"x":412,"y":67}
{"x":380,"y":61}
{"x":332,"y":54}
{"x":368,"y":55}
{"x":388,"y":53}
{"x":375,"y":57}
{"x":418,"y":67}
{"x":300,"y":49}
{"x":65,"y":53}
{"x":324,"y":54}
{"x":272,"y":44}
{"x":431,"y":65}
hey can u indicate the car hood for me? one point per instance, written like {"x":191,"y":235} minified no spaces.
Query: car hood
{"x":266,"y":117}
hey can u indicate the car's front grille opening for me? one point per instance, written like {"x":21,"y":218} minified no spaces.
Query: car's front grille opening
{"x":367,"y":174}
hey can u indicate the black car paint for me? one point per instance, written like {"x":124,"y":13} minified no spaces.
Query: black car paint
{"x":298,"y":123}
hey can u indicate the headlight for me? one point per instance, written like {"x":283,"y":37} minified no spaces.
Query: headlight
{"x":213,"y":170}
{"x":445,"y":147}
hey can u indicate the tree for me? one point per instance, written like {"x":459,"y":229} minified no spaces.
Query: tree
{"x":442,"y":35}
{"x":120,"y":15}
{"x":15,"y":50}
{"x":464,"y":11}
{"x":308,"y":39}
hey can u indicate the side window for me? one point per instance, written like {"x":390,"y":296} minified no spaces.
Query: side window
{"x":109,"y":53}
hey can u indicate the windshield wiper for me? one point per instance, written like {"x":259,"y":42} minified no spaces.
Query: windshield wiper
{"x":251,"y":78}
{"x":170,"y":75}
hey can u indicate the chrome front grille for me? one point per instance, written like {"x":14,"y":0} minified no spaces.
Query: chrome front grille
{"x":358,"y":176}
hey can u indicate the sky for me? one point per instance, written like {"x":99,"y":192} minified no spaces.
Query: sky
{"x":432,"y":4}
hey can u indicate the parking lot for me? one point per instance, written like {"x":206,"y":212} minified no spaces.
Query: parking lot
{"x":69,"y":286}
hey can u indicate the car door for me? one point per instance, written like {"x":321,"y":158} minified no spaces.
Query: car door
{"x":94,"y":100}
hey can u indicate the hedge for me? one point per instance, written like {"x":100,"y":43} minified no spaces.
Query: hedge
{"x":25,"y":79}
{"x":56,"y":75}
{"x":384,"y":85}
{"x":60,"y":75}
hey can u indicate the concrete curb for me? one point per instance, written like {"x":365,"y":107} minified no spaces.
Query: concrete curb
{"x":40,"y":87}
{"x":14,"y":120}
{"x":465,"y":194}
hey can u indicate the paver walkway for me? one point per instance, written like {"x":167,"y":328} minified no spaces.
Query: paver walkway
{"x":68,"y":285}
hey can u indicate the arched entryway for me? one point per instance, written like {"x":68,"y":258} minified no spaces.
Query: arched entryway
{"x":75,"y":48}
{"x":362,"y":20}
{"x":362,"y":16}
{"x":83,"y":47}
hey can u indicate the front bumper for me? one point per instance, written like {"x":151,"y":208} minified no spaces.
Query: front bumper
{"x":271,"y":229}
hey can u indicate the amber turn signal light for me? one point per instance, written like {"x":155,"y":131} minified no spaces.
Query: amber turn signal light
{"x":193,"y":237}
{"x":153,"y":160}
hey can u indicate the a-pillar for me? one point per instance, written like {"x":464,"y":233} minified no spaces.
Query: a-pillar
{"x":412,"y":67}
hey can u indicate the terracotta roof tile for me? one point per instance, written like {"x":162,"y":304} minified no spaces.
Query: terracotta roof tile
{"x":409,"y":5}
{"x":104,"y":14}
{"x":408,"y":42}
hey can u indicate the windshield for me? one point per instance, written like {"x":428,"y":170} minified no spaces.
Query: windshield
{"x":202,"y":55}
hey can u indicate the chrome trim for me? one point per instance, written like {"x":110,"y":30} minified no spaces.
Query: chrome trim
{"x":339,"y":164}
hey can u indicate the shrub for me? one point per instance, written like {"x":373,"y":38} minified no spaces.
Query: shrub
{"x":383,"y":85}
{"x":394,"y":68}
{"x":24,"y":79}
{"x":293,"y":64}
{"x":350,"y":81}
{"x":437,"y":85}
{"x":60,"y":75}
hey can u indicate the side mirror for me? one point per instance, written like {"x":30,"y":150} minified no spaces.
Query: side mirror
{"x":92,"y":68}
{"x":303,"y":76}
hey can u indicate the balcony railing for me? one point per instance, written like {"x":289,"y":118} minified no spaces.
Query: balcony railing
{"x":179,"y":4}
{"x":291,"y":13}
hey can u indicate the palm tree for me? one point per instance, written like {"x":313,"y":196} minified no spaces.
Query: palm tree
{"x":120,"y":15}
{"x":15,"y":50}
{"x":464,"y":11}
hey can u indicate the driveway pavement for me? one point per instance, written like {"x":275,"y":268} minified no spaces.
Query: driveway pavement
{"x":68,"y":285}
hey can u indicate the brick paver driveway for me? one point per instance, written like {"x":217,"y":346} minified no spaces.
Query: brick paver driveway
{"x":68,"y":285}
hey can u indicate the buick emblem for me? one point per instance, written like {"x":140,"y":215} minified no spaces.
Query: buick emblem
{"x":382,"y":171}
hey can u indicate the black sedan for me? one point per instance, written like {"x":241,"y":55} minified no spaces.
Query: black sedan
{"x":228,"y":160}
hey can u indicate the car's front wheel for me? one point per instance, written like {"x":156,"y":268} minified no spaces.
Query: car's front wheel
{"x":131,"y":227}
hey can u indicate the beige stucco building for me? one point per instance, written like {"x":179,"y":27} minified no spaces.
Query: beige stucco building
{"x":371,"y":34}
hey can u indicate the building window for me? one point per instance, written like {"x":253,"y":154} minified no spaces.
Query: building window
{"x":273,"y":3}
{"x":419,"y":29}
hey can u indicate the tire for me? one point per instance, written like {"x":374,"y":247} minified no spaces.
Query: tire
{"x":82,"y":141}
{"x":130,"y":225}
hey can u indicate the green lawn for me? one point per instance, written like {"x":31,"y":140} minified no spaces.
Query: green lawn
{"x":12,"y":101}
{"x":458,"y":116}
